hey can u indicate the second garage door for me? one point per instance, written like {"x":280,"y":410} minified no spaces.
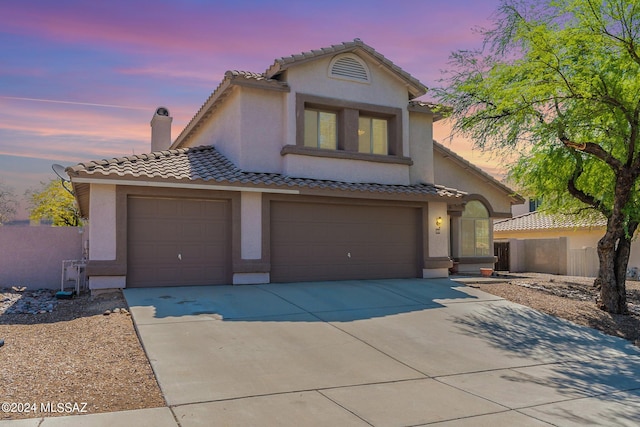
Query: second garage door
{"x":314,"y":241}
{"x":174,"y":242}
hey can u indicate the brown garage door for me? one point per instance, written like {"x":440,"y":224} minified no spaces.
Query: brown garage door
{"x":173,"y":242}
{"x":312,"y":241}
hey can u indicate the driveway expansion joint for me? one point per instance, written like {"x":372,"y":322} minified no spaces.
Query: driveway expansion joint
{"x":380,"y":345}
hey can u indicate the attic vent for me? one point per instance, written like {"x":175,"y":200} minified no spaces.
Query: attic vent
{"x":349,"y":67}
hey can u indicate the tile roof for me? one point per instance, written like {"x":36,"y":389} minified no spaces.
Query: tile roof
{"x":206,"y":164}
{"x":416,"y":88}
{"x":266,"y":81}
{"x":533,"y":221}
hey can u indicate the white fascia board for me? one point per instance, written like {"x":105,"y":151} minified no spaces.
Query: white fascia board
{"x":179,"y":185}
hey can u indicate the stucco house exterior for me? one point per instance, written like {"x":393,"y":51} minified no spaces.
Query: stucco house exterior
{"x":555,"y":244}
{"x":323,"y":167}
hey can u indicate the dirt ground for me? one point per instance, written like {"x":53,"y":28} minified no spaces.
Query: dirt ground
{"x":76,"y":354}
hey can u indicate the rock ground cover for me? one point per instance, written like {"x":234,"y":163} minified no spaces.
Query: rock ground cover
{"x":70,"y":352}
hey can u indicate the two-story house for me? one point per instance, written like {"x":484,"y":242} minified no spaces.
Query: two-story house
{"x":321,"y":168}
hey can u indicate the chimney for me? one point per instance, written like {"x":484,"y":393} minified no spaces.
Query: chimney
{"x":161,"y":130}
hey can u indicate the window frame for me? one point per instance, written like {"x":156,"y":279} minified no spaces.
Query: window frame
{"x":475,"y":221}
{"x":371,"y":146}
{"x":348,"y":114}
{"x":318,"y":140}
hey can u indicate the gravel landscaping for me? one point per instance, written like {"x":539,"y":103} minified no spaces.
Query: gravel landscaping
{"x":69,"y":352}
{"x":85,"y":350}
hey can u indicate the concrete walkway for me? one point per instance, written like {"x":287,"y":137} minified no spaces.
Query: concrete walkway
{"x":371,"y":353}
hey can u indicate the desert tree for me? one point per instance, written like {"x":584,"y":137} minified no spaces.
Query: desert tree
{"x":8,"y":203}
{"x":556,"y":88}
{"x":53,"y":202}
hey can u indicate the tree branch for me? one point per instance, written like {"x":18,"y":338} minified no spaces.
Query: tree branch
{"x":595,"y":150}
{"x":628,"y":45}
{"x":585,"y":198}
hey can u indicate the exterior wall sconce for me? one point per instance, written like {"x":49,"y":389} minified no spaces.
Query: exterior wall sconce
{"x":438,"y":224}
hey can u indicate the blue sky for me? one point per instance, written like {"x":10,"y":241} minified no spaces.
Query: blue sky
{"x":80,"y":80}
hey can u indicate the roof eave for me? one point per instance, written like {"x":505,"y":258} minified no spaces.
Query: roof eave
{"x":425,"y":108}
{"x":206,"y":109}
{"x":516,"y":199}
{"x":82,"y":185}
{"x":414,"y":87}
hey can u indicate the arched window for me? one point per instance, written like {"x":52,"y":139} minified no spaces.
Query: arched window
{"x":475,"y":230}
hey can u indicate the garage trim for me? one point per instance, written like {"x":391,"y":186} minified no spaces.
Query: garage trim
{"x":118,"y":266}
{"x":421,"y":208}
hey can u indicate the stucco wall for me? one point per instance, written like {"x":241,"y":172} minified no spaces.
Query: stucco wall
{"x":578,"y":241}
{"x":262,"y":130}
{"x":312,"y":79}
{"x":539,"y":255}
{"x":102,"y":211}
{"x":251,"y":225}
{"x":521,"y":209}
{"x":438,"y":236}
{"x":252,"y":125}
{"x":223,"y":129}
{"x":450,"y":174}
{"x":383,"y":90}
{"x":32,"y":256}
{"x":421,"y":147}
{"x":345,"y":170}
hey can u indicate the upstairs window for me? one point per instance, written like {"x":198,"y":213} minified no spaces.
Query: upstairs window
{"x":534,"y":204}
{"x":373,"y":135}
{"x":320,"y":129}
{"x":339,"y":128}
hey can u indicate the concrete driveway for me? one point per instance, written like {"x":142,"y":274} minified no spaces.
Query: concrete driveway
{"x":381,"y":353}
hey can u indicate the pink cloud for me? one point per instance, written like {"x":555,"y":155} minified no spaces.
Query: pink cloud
{"x":73,"y":132}
{"x":144,"y":26}
{"x":171,"y":71}
{"x":196,"y":43}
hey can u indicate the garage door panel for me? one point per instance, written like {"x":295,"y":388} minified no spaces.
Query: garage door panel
{"x":313,"y":241}
{"x":194,"y":254}
{"x":173,"y":242}
{"x":148,"y":276}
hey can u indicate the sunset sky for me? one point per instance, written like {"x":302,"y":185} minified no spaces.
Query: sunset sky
{"x":80,"y":80}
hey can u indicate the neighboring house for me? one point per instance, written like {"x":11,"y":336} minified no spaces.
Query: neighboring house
{"x":321,"y":168}
{"x":556,"y":244}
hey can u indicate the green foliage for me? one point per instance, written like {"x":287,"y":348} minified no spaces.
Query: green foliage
{"x":54,"y":203}
{"x":556,"y":86}
{"x":8,"y":203}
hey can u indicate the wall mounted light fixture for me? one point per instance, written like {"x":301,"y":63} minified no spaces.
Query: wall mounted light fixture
{"x":439,"y":221}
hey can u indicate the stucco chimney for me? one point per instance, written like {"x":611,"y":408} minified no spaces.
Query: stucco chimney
{"x":161,"y":129}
